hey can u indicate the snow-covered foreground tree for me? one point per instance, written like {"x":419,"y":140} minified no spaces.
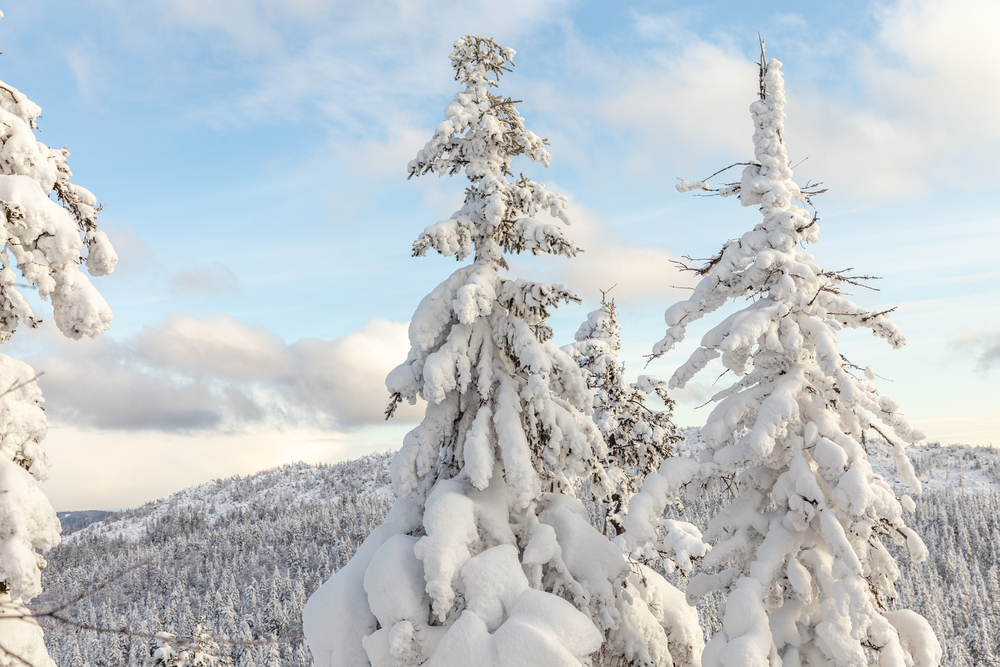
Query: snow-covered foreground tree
{"x":487,"y":558}
{"x":638,"y":437}
{"x":799,"y":551}
{"x":45,"y":243}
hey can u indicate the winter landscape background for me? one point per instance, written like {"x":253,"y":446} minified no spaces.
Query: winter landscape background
{"x":266,"y":288}
{"x":221,"y":539}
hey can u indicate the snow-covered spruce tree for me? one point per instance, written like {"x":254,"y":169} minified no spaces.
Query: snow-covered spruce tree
{"x":638,"y":438}
{"x":487,"y":558}
{"x":199,"y":650}
{"x":799,"y":551}
{"x":45,"y":242}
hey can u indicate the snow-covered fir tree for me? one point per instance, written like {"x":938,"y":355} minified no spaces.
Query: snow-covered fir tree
{"x":198,"y":650}
{"x":800,"y":551}
{"x":487,"y":558}
{"x":46,"y":243}
{"x":638,"y":438}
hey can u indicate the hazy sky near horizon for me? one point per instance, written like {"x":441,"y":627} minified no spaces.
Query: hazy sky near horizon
{"x":252,"y":155}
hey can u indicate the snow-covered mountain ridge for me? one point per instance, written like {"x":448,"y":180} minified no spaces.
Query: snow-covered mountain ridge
{"x":963,"y":468}
{"x":291,"y":485}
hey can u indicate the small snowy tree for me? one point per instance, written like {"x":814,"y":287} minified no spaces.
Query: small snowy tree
{"x":799,"y":551}
{"x":487,"y":558}
{"x":199,"y":650}
{"x":45,"y":242}
{"x":638,"y":438}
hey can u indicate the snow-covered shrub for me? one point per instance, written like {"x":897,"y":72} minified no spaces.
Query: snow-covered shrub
{"x":487,"y":558}
{"x":45,"y":242}
{"x":799,"y":551}
{"x":638,"y":438}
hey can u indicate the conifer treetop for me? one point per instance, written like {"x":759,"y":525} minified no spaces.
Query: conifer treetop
{"x":791,"y":293}
{"x":480,"y":135}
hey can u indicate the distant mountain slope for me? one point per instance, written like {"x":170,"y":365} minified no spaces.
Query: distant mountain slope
{"x":74,"y":521}
{"x":245,"y":553}
{"x":294,"y":485}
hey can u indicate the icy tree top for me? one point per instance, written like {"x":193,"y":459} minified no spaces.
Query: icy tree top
{"x":795,"y":297}
{"x":763,"y":262}
{"x":480,"y":134}
{"x":46,"y":240}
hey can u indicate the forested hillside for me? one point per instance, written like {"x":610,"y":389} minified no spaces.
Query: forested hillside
{"x":242,"y":553}
{"x":245,"y":553}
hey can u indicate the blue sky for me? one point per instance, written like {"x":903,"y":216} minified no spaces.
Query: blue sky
{"x":252,"y":154}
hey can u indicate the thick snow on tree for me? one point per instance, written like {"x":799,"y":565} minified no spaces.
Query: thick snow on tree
{"x":638,"y":438}
{"x":45,"y":242}
{"x":487,"y":558}
{"x":799,"y":551}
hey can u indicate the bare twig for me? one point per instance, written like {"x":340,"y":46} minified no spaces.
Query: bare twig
{"x":14,"y":388}
{"x":737,"y":164}
{"x":17,"y":101}
{"x":763,"y":67}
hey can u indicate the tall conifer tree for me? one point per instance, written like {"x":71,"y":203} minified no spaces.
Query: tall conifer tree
{"x":487,"y":558}
{"x":800,"y":550}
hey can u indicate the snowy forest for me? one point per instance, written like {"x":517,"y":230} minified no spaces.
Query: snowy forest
{"x":546,"y":511}
{"x":210,"y":556}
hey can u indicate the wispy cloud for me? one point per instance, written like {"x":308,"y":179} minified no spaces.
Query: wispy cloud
{"x":636,"y":271}
{"x":216,"y":278}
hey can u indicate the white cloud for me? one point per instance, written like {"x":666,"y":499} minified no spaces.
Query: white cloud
{"x":908,"y":111}
{"x":919,"y":113}
{"x":193,"y":374}
{"x":609,"y":260}
{"x":684,"y":103}
{"x":947,"y":70}
{"x":214,"y":278}
{"x":82,"y":63}
{"x":361,"y":64}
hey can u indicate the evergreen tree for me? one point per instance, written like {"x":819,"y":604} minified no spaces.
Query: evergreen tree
{"x":800,"y":550}
{"x":198,"y":650}
{"x":46,"y":243}
{"x":487,"y":557}
{"x":638,"y":438}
